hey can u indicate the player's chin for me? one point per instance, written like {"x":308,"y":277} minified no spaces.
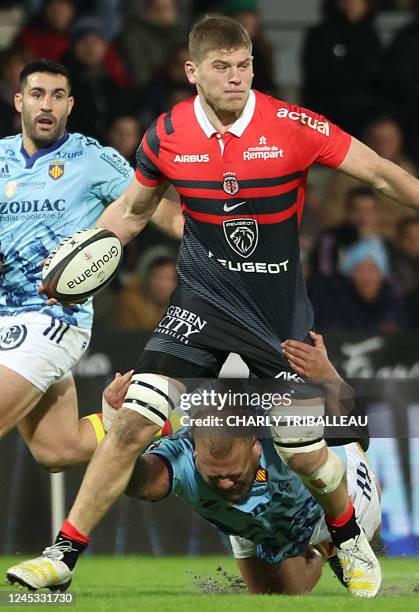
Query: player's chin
{"x":235,"y":103}
{"x":47,"y":135}
{"x":235,"y":496}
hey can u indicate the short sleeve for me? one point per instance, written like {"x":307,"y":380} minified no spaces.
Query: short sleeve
{"x":177,"y":454}
{"x":110,"y":173}
{"x":149,"y":172}
{"x":315,"y":138}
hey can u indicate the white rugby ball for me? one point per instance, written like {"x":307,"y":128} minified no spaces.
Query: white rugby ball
{"x":81,"y":265}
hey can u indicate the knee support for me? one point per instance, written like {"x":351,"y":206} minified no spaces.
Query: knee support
{"x":300,"y":429}
{"x":152,"y":396}
{"x":329,"y":474}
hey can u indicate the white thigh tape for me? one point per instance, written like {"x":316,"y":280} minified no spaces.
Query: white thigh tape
{"x":152,"y":396}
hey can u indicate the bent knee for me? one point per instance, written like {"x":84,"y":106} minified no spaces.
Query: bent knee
{"x":131,"y":429}
{"x":56,"y":460}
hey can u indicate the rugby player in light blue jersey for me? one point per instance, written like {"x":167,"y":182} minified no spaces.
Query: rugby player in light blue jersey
{"x":241,"y":486}
{"x":52,"y":184}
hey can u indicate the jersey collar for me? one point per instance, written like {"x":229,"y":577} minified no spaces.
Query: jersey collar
{"x":238,"y":126}
{"x":31,"y":159}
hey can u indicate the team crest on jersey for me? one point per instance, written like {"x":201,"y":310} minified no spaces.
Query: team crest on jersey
{"x":242,"y":235}
{"x":230,"y":184}
{"x":56,"y":169}
{"x":12,"y":337}
{"x":261,"y":475}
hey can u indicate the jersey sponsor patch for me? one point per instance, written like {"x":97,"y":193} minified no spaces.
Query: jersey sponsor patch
{"x":320,"y":126}
{"x":180,"y":324}
{"x":242,"y":235}
{"x":116,"y":162}
{"x":189,"y":159}
{"x":12,"y":337}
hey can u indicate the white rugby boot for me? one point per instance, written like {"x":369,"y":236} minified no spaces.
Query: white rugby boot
{"x":361,"y":571}
{"x":46,"y":571}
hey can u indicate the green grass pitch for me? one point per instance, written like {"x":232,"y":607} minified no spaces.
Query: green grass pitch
{"x":168,"y":585}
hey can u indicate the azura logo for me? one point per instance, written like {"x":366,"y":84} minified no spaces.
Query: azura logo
{"x":95,"y":268}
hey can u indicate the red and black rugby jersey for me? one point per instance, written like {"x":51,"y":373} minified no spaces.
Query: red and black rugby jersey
{"x":242,"y":195}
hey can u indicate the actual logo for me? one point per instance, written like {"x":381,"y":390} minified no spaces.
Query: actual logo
{"x":242,"y":235}
{"x":56,"y":169}
{"x":12,"y":337}
{"x":230,"y":183}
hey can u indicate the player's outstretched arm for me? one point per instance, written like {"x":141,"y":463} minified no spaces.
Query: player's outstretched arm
{"x":389,"y":179}
{"x":130,"y":213}
{"x":150,"y":479}
{"x":168,"y":215}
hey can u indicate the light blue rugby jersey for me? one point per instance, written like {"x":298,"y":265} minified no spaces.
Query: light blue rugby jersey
{"x":61,"y":189}
{"x":279,"y":514}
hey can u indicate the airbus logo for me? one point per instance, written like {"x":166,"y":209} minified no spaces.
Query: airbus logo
{"x":192,"y":159}
{"x":228,"y":208}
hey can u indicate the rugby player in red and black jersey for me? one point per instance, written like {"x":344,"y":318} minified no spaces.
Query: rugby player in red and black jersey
{"x":238,"y":160}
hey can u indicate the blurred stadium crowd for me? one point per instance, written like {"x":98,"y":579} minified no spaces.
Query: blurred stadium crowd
{"x":360,"y":250}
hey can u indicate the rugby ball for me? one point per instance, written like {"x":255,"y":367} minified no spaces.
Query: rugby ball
{"x":81,"y":265}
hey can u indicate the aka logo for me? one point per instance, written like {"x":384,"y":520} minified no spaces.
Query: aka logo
{"x":289,"y":377}
{"x":230,"y":184}
{"x":12,"y":337}
{"x":242,"y":235}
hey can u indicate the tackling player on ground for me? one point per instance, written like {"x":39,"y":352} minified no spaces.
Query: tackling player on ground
{"x":238,"y":160}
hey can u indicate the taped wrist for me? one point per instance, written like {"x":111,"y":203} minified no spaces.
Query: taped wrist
{"x":108,"y":414}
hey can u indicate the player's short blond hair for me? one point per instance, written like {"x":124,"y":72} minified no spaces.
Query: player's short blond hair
{"x":215,"y":32}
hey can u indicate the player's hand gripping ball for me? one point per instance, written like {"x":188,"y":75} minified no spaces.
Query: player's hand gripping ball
{"x":81,"y":265}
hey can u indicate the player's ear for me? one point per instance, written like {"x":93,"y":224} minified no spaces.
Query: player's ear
{"x":18,"y":102}
{"x":70,"y":104}
{"x":191,"y":70}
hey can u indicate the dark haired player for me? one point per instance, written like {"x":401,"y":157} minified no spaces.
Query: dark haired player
{"x":238,"y":160}
{"x":52,"y":184}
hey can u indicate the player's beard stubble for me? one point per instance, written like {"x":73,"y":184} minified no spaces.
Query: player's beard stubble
{"x":42,"y":138}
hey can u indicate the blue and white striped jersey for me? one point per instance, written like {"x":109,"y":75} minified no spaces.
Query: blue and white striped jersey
{"x":60,"y":189}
